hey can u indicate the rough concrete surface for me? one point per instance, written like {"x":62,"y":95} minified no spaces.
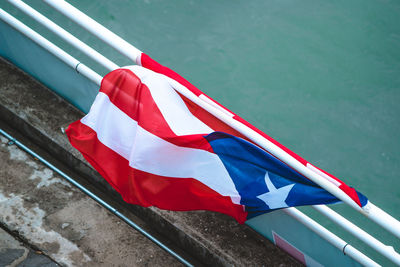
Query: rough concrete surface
{"x":61,"y":221}
{"x":15,"y":253}
{"x":213,"y":238}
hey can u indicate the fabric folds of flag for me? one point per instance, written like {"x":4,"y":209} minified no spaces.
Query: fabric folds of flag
{"x":157,"y":148}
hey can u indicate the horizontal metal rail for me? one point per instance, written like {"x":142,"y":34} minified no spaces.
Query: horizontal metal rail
{"x":52,"y":48}
{"x":66,"y":36}
{"x":95,"y":28}
{"x":324,"y":233}
{"x":95,"y":197}
{"x":362,"y":235}
{"x":356,"y":231}
{"x":370,"y":211}
{"x":330,"y":237}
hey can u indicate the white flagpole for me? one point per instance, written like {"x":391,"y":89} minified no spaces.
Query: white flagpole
{"x":369,"y":210}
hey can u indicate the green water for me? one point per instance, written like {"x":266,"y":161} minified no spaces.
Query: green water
{"x":322,"y":78}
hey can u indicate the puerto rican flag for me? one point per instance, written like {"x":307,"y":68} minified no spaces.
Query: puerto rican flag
{"x":158,"y":148}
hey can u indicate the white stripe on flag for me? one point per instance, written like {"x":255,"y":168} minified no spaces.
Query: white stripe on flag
{"x":149,"y":153}
{"x":174,"y":110}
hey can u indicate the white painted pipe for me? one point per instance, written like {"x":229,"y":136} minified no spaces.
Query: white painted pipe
{"x":383,"y":249}
{"x":69,"y":38}
{"x":128,"y":50}
{"x":370,"y":210}
{"x":97,"y":79}
{"x":330,"y":237}
{"x":256,"y":139}
{"x":70,"y":61}
{"x":53,"y":49}
{"x":264,"y":143}
{"x":382,"y":218}
{"x":96,"y":29}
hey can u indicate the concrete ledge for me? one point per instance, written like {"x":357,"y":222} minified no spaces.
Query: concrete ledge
{"x":61,"y":223}
{"x":212,"y":238}
{"x":15,"y":253}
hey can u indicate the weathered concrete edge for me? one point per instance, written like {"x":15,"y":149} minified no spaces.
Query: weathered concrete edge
{"x":24,"y":244}
{"x":196,"y":245}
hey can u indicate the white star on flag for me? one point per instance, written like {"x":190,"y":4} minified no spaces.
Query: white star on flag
{"x":275,"y":198}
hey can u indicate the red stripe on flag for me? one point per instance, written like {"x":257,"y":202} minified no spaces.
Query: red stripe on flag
{"x":153,"y":65}
{"x":126,"y":91}
{"x":146,"y":189}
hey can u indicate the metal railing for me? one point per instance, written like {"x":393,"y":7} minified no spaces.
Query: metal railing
{"x":370,"y":211}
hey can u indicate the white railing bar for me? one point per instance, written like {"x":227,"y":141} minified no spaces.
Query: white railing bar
{"x":383,"y":249}
{"x":389,"y":223}
{"x":66,"y":36}
{"x":95,"y":28}
{"x":76,"y":63}
{"x":330,"y":237}
{"x":380,"y":216}
{"x":87,"y":72}
{"x":369,"y":210}
{"x":53,"y":49}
